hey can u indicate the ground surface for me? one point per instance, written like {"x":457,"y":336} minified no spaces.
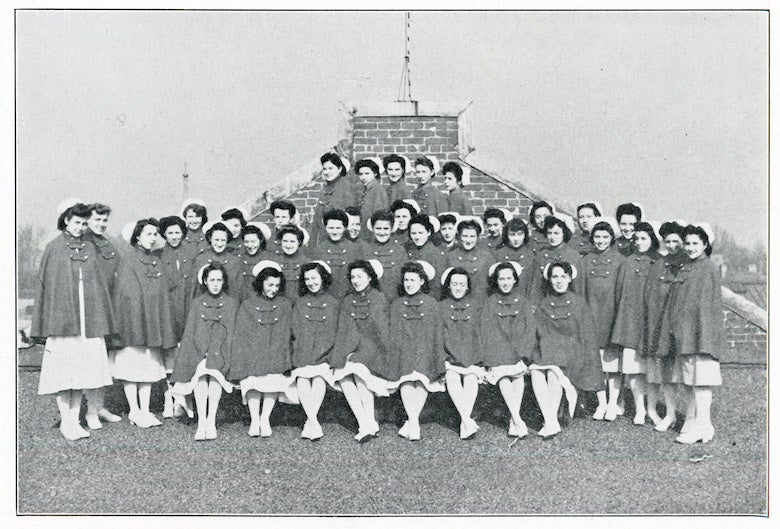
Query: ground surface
{"x":592,"y":467}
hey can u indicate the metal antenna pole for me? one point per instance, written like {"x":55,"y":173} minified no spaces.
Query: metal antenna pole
{"x":185,"y":179}
{"x":405,"y":87}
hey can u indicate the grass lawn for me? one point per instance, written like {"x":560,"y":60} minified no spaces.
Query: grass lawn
{"x":591,"y":468}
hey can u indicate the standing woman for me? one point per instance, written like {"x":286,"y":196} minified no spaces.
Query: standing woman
{"x":516,"y":246}
{"x":108,"y":261}
{"x":292,"y":255}
{"x":218,"y":236}
{"x":627,"y":215}
{"x":587,"y":213}
{"x":144,"y":317}
{"x":567,"y":357}
{"x":403,"y":211}
{"x":539,"y":211}
{"x":374,"y":196}
{"x":235,"y":220}
{"x":659,"y":355}
{"x":314,"y":319}
{"x":448,"y":233}
{"x":255,"y":236}
{"x":421,"y":248}
{"x":73,"y":315}
{"x":194,"y":213}
{"x":261,"y":357}
{"x":417,"y":359}
{"x":454,"y":180}
{"x":177,"y":265}
{"x":599,"y":270}
{"x":396,"y":167}
{"x":469,"y":255}
{"x":508,"y":339}
{"x":462,"y":342}
{"x":360,"y":354}
{"x":696,"y":314}
{"x":337,"y":250}
{"x":556,"y":249}
{"x":628,"y":329}
{"x":339,"y":192}
{"x":390,"y":255}
{"x":427,"y":195}
{"x":494,"y":219}
{"x":203,"y":357}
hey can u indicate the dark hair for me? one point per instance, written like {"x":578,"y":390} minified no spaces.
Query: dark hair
{"x":265,"y":273}
{"x":455,"y":169}
{"x":445,"y":289}
{"x":469,"y":224}
{"x":382,"y":214}
{"x":413,"y":267}
{"x":335,"y":214}
{"x":249,"y":228}
{"x":139,"y":227}
{"x":371,"y":164}
{"x":172,"y":220}
{"x":335,"y":159}
{"x":234,"y":213}
{"x":422,"y":219}
{"x":670,"y":227}
{"x":514,"y":225}
{"x":324,"y":274}
{"x":394,"y":158}
{"x":538,"y":205}
{"x":283,"y":204}
{"x":422,"y":160}
{"x":645,"y":227}
{"x":493,"y":278}
{"x":352,"y":211}
{"x":551,"y":221}
{"x":690,"y":229}
{"x":447,"y":218}
{"x":628,"y":209}
{"x":295,"y":230}
{"x":494,"y":213}
{"x":76,"y":210}
{"x":602,"y":226}
{"x":589,"y":205}
{"x":362,"y":264}
{"x":210,"y":268}
{"x":400,"y":204}
{"x":100,"y":209}
{"x":565,"y":266}
{"x":218,"y":226}
{"x":199,"y":211}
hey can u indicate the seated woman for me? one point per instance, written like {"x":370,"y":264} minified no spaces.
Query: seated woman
{"x":567,"y":357}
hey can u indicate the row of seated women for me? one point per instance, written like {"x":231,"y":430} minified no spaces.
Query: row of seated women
{"x":447,"y":316}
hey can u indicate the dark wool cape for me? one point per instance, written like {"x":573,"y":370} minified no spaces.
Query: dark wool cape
{"x":56,"y":308}
{"x":598,"y":273}
{"x":508,"y":329}
{"x":314,"y":321}
{"x":628,"y":329}
{"x":416,"y":331}
{"x":208,"y":334}
{"x":461,"y":331}
{"x":142,"y":302}
{"x":261,"y":344}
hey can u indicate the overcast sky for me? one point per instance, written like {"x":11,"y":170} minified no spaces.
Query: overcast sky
{"x":669,"y":109}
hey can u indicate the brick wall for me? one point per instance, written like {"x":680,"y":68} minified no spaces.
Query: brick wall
{"x":744,"y":340}
{"x":412,"y":137}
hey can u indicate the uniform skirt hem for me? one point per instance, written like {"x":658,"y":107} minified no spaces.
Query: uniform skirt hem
{"x":273,"y":383}
{"x":494,"y":374}
{"x":320,"y":370}
{"x":696,"y":370}
{"x":376,"y":385}
{"x":433,"y":386}
{"x":479,"y":371}
{"x":74,"y":362}
{"x":137,"y":364}
{"x":186,"y":388}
